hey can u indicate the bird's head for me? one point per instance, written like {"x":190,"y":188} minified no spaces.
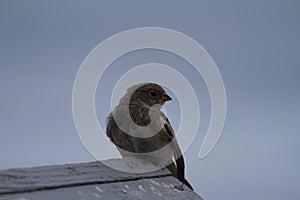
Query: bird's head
{"x":149,"y":94}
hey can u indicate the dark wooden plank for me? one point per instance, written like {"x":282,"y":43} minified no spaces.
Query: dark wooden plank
{"x":148,"y":188}
{"x":70,"y":175}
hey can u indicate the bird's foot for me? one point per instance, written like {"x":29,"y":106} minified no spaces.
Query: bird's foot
{"x":179,"y":187}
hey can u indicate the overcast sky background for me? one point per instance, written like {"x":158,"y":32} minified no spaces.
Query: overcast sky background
{"x":255,"y":44}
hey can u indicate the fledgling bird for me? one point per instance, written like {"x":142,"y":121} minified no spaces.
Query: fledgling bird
{"x":142,"y":104}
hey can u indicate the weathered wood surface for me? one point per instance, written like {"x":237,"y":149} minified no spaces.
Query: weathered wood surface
{"x":91,"y":180}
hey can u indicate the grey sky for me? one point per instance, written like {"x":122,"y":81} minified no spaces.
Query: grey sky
{"x":255,"y":44}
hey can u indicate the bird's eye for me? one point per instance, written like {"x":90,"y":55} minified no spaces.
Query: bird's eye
{"x":152,"y":93}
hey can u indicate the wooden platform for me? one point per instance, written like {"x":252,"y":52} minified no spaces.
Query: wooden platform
{"x":87,"y":181}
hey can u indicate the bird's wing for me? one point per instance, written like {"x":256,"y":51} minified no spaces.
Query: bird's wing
{"x":118,"y":137}
{"x":177,"y":152}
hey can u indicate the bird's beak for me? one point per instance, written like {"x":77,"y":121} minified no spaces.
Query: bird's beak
{"x":166,"y":97}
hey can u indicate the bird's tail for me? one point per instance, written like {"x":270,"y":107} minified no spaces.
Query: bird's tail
{"x":173,"y":169}
{"x":188,"y":184}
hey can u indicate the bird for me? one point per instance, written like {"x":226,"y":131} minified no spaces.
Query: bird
{"x":137,"y":125}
